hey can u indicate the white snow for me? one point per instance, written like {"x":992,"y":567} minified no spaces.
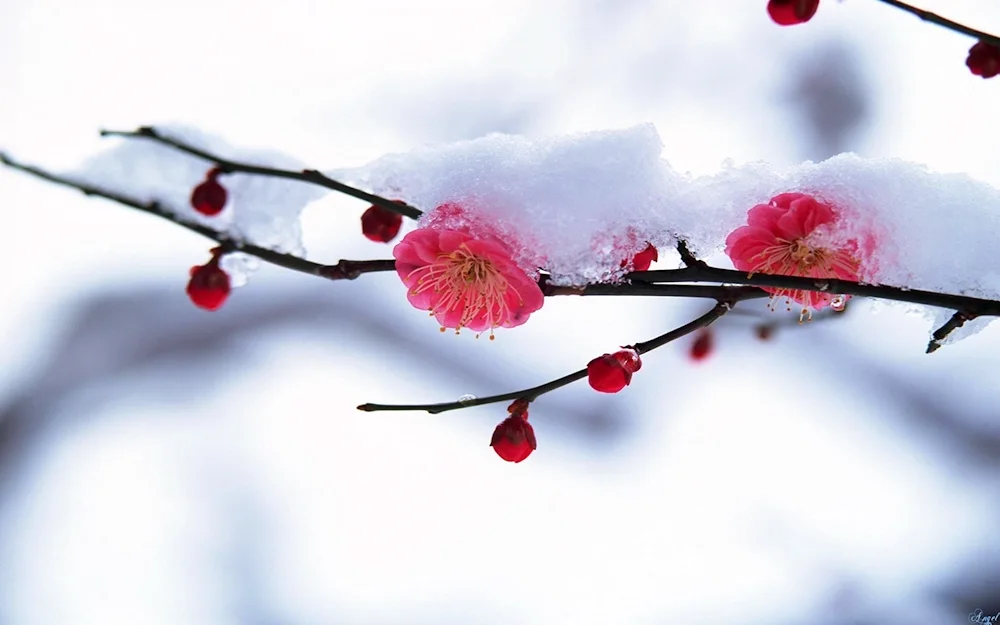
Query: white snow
{"x":261,"y":210}
{"x":566,"y":203}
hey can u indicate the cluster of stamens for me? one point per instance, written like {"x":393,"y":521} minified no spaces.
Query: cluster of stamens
{"x":469,"y":283}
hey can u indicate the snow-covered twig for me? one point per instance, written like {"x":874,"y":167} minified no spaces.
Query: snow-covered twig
{"x":533,"y":393}
{"x":934,"y":18}
{"x":343,"y":270}
{"x":226,"y":166}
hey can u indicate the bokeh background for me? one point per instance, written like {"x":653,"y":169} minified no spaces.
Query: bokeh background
{"x":160,"y":464}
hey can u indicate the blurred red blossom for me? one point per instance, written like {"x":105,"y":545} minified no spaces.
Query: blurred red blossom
{"x":703,"y":345}
{"x":379,"y":224}
{"x":984,"y":60}
{"x":209,"y":197}
{"x":209,"y":286}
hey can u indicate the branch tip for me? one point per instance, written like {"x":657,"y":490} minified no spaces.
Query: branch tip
{"x":957,"y":321}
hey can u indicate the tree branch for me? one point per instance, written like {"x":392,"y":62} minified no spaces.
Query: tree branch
{"x":533,"y":393}
{"x":934,"y":18}
{"x":660,"y":283}
{"x":307,"y":175}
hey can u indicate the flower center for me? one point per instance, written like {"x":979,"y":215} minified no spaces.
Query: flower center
{"x":797,"y":257}
{"x":802,"y":254}
{"x":469,"y":284}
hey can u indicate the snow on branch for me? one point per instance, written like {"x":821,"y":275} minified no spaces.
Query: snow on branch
{"x":226,"y":166}
{"x":343,"y":270}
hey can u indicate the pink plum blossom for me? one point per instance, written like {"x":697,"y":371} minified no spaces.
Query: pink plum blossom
{"x":790,"y":236}
{"x":465,"y":282}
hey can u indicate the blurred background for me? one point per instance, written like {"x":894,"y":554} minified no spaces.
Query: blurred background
{"x":161,"y":464}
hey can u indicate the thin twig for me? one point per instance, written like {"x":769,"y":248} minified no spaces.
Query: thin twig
{"x":934,"y":18}
{"x":227,"y":166}
{"x":957,"y":321}
{"x":533,"y":393}
{"x":343,"y":270}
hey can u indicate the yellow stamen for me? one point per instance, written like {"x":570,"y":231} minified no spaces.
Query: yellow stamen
{"x":468,"y":283}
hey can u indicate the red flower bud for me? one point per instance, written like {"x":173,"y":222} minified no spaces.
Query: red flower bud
{"x":984,"y":60}
{"x":514,"y":438}
{"x":380,"y":224}
{"x":645,"y":258}
{"x":611,"y":373}
{"x":791,"y":12}
{"x":703,"y":345}
{"x":209,"y":198}
{"x":209,"y":285}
